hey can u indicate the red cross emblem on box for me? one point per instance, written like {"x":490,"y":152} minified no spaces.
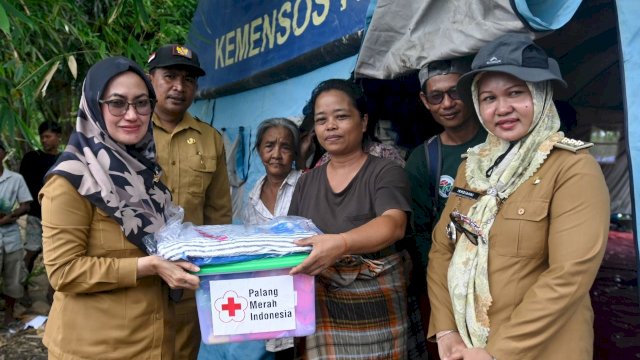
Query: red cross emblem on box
{"x":231,"y":307}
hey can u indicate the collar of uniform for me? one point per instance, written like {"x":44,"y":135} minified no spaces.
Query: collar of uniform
{"x":187,"y":122}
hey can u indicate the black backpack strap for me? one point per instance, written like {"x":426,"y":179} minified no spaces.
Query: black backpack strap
{"x":432,"y":152}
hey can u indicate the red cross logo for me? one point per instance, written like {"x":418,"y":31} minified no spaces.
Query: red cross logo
{"x":230,"y":307}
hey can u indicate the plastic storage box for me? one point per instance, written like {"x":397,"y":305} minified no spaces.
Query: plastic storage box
{"x":254,"y":300}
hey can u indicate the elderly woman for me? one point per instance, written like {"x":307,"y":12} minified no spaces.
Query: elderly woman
{"x":277,"y":144}
{"x":361,"y":203}
{"x":520,"y":241}
{"x":101,"y":200}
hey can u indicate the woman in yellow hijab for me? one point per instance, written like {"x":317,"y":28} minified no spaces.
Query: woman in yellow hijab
{"x":520,"y":241}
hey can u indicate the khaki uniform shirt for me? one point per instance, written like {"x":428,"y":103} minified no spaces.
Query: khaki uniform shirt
{"x":100,"y":309}
{"x":545,"y":248}
{"x":194,"y":169}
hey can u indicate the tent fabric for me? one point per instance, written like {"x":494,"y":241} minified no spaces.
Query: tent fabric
{"x":616,"y":174}
{"x":403,"y":36}
{"x":617,"y":178}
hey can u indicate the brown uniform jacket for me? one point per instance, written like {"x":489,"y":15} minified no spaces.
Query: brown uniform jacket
{"x":546,"y":245}
{"x":100,"y":310}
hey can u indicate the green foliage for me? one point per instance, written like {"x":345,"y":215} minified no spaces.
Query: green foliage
{"x":4,"y":21}
{"x":48,"y":45}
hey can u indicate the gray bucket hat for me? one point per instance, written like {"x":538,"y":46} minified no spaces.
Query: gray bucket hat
{"x":514,"y":54}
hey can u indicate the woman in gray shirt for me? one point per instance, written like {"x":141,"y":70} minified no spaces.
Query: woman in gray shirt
{"x":361,"y":203}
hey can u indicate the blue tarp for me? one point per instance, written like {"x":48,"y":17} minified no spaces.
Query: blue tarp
{"x":546,"y":15}
{"x":629,"y":27}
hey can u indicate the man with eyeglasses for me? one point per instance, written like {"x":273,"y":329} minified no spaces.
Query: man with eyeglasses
{"x":191,"y":154}
{"x":432,"y":166}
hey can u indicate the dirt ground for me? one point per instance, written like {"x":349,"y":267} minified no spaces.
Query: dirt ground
{"x":26,"y":344}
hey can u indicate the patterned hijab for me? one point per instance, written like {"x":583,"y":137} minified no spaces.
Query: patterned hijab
{"x":121,"y":180}
{"x":468,"y":276}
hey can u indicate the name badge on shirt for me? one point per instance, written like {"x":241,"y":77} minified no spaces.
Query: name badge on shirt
{"x":464,"y":193}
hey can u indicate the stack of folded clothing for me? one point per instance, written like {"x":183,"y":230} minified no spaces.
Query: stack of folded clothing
{"x":220,"y":244}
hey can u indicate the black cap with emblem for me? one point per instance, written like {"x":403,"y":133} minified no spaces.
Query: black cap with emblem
{"x":175,"y":55}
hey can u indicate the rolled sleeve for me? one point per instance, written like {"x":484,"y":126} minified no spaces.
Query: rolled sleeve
{"x":128,"y":272}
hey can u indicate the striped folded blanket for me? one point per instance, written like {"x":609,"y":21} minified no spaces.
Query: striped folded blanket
{"x":220,"y":244}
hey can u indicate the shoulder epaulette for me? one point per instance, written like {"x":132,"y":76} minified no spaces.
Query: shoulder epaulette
{"x":206,"y":123}
{"x":200,"y":120}
{"x":572,"y":144}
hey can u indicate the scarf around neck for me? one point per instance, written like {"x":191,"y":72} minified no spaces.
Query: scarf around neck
{"x":121,"y":180}
{"x":468,"y":279}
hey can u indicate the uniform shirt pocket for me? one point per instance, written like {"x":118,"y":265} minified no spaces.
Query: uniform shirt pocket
{"x":202,"y":168}
{"x":524,"y":228}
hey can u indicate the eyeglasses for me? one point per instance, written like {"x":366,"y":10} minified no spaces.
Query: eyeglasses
{"x":457,"y":222}
{"x":436,"y":97}
{"x":120,"y":107}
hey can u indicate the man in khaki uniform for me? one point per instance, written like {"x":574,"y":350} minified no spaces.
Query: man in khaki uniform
{"x":191,"y":154}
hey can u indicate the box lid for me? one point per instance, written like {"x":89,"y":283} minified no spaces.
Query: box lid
{"x":270,"y":263}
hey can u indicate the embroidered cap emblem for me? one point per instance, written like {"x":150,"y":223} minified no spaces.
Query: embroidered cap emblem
{"x":182,"y":51}
{"x":493,"y":61}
